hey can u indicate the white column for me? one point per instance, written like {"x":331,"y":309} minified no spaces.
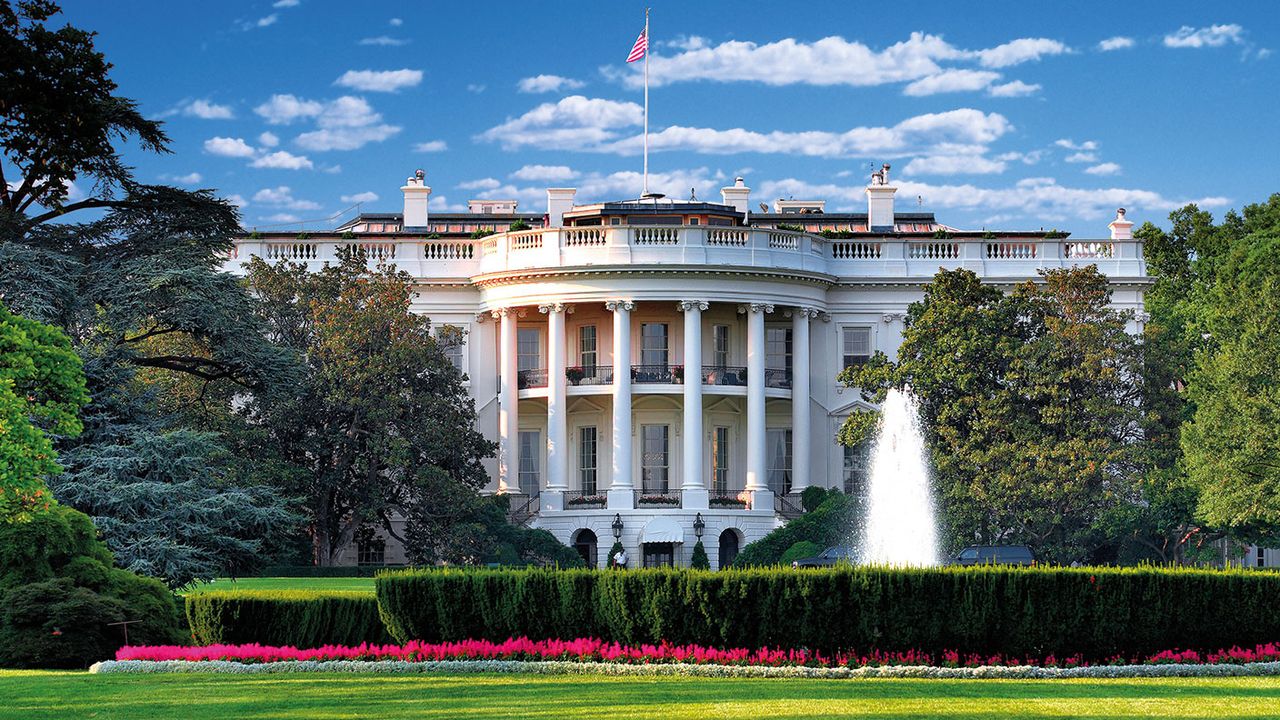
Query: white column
{"x":622,"y":487}
{"x":508,"y":403}
{"x":557,"y":408}
{"x":801,"y":438}
{"x":757,"y":467}
{"x":693,"y":489}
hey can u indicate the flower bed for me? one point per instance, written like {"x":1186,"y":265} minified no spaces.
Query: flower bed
{"x":593,"y":651}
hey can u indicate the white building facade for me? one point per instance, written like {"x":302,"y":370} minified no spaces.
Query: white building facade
{"x":664,"y":372}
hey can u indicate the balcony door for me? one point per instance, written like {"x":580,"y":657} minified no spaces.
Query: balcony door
{"x":654,"y":348}
{"x":655,"y":459}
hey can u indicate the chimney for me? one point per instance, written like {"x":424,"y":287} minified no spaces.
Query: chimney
{"x":880,"y":201}
{"x":416,"y":194}
{"x":1121,"y":228}
{"x":738,"y":196}
{"x":559,"y":202}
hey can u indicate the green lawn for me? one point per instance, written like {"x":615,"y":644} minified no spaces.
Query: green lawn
{"x":285,"y":583}
{"x":37,"y":694}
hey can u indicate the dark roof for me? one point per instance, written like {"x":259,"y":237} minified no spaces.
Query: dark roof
{"x":837,"y":217}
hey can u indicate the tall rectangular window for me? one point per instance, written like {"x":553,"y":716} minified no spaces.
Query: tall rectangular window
{"x":720,"y":346}
{"x":653,"y":344}
{"x":855,"y":346}
{"x":528,"y":349}
{"x":587,"y":355}
{"x":655,"y":462}
{"x":720,"y":459}
{"x":452,"y":340}
{"x":588,"y":459}
{"x":857,"y":466}
{"x":530,"y":476}
{"x":778,"y":447}
{"x":777,"y":348}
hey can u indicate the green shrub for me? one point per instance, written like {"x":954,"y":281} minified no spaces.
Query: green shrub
{"x":830,"y":523}
{"x":1098,"y":612}
{"x":812,"y":497}
{"x":799,"y":551}
{"x":700,"y":561}
{"x":301,"y":618}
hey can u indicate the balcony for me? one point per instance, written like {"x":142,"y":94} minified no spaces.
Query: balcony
{"x":590,"y":375}
{"x":658,"y":499}
{"x":578,"y":500}
{"x":657,"y":374}
{"x":724,"y":375}
{"x":534,"y":378}
{"x":777,"y":378}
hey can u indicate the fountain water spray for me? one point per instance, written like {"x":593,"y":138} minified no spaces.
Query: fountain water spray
{"x":900,"y":527}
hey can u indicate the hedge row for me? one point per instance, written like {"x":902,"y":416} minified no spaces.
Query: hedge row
{"x":1095,"y":612}
{"x":300,"y":618}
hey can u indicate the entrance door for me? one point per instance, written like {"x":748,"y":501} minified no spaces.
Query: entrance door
{"x":659,"y":554}
{"x":585,"y":543}
{"x":728,"y":548}
{"x":655,"y":461}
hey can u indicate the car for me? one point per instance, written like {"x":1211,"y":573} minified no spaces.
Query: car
{"x":831,"y":556}
{"x":995,"y":555}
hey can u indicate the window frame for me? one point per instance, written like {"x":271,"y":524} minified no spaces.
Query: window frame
{"x":845,"y":330}
{"x":594,"y":469}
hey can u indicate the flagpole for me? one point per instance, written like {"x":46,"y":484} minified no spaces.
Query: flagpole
{"x":648,"y":47}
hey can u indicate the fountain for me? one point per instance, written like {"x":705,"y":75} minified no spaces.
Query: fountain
{"x":900,"y":528}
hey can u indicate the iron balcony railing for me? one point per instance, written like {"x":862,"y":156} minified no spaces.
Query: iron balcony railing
{"x":724,"y":375}
{"x":667,"y":374}
{"x":577,"y":500}
{"x":590,"y":375}
{"x":777,"y":378}
{"x":534,"y":378}
{"x":667,"y":497}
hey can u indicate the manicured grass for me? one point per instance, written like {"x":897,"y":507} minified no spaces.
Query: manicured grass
{"x":286,"y":583}
{"x":36,"y":695}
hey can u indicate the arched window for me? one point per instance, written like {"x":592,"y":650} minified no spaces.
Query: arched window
{"x":584,"y":541}
{"x":728,"y":548}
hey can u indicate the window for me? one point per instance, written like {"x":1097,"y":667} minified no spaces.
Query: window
{"x":615,"y":221}
{"x":857,"y":466}
{"x":655,"y":460}
{"x":588,"y":459}
{"x":778,"y":447}
{"x":1262,"y":557}
{"x":720,"y":459}
{"x":452,"y":340}
{"x":777,"y":348}
{"x":659,"y":554}
{"x":653,"y":344}
{"x":530,"y":478}
{"x":370,"y":549}
{"x":528,"y":349}
{"x":587,"y":356}
{"x":855,"y":346}
{"x":720,"y":345}
{"x":694,"y":221}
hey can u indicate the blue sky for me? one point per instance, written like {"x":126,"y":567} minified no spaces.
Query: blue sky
{"x":1014,"y":116}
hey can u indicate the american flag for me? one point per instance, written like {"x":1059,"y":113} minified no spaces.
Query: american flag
{"x":640,"y":48}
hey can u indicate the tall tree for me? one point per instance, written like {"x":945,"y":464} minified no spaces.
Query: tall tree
{"x":381,"y":424}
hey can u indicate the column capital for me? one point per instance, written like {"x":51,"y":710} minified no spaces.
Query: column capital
{"x":893,"y":317}
{"x":687,"y":305}
{"x":566,"y":308}
{"x":499,"y":313}
{"x":482,"y":316}
{"x":755,"y":308}
{"x":804,"y":312}
{"x":616,"y":305}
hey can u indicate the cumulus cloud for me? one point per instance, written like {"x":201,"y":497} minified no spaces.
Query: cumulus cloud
{"x":1119,"y":42}
{"x":379,"y":80}
{"x":282,"y":160}
{"x":953,"y":165}
{"x":286,"y":3}
{"x":1070,"y":144}
{"x":481,"y":184}
{"x":395,"y":22}
{"x":238,"y":201}
{"x":1016,"y":88}
{"x":282,"y":197}
{"x":267,"y":21}
{"x":347,"y":123}
{"x":548,"y":83}
{"x":344,"y":138}
{"x":364,"y":197}
{"x":1020,"y":51}
{"x":610,"y":186}
{"x":951,"y":81}
{"x":188,"y":179}
{"x":431,"y":146}
{"x":383,"y":41}
{"x":205,"y":110}
{"x":282,"y":218}
{"x":228,"y":147}
{"x":1106,"y":168}
{"x":1212,"y":36}
{"x":1082,"y":157}
{"x":547,"y":173}
{"x":268,"y":139}
{"x":284,"y":109}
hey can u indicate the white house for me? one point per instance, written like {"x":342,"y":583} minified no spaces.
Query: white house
{"x":659,"y":370}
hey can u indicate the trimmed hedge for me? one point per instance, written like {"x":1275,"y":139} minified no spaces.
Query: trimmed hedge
{"x":300,"y":618}
{"x":1016,"y":612}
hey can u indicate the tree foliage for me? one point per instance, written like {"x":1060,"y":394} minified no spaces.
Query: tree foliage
{"x":1031,"y":407}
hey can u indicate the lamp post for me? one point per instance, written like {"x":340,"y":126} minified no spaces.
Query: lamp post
{"x":698,"y":526}
{"x":617,"y":526}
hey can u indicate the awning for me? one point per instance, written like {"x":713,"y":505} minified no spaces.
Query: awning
{"x":662,"y":530}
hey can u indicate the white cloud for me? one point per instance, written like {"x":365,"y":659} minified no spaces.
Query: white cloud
{"x":284,"y":109}
{"x":1119,"y":42}
{"x":268,"y":139}
{"x":228,"y":147}
{"x":481,"y":184}
{"x":364,"y":197}
{"x":286,"y":3}
{"x":379,"y":80}
{"x":431,"y":146}
{"x":238,"y":201}
{"x":1026,"y":158}
{"x":951,"y":81}
{"x":205,"y":110}
{"x":1106,"y":168}
{"x":1082,"y":157}
{"x":440,"y":203}
{"x":548,"y":83}
{"x":282,"y":160}
{"x":344,"y":138}
{"x":188,"y":179}
{"x":282,"y":218}
{"x":953,"y":165}
{"x":612,"y":186}
{"x":1071,"y":145}
{"x":268,"y":20}
{"x":1020,"y":51}
{"x":1212,"y":36}
{"x":547,"y":173}
{"x":383,"y":41}
{"x":475,"y":88}
{"x":1017,"y":88}
{"x":282,"y":197}
{"x":395,"y":22}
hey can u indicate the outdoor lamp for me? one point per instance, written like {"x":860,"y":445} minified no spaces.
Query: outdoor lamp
{"x":698,"y":526}
{"x":617,"y":526}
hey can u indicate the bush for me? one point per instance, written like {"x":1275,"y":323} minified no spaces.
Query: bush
{"x":812,"y":497}
{"x":799,"y":551}
{"x":700,"y":561}
{"x":1016,"y":612}
{"x":830,"y":523}
{"x":301,"y":618}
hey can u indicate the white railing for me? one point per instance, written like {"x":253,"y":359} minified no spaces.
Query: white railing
{"x":733,"y":237}
{"x":445,"y":250}
{"x":376,"y":252}
{"x":933,"y":250}
{"x":657,"y":235}
{"x":584,"y":237}
{"x":1089,"y":250}
{"x":525,"y":240}
{"x":784,"y":239}
{"x":855,"y":250}
{"x":293,"y":251}
{"x":1011,"y":250}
